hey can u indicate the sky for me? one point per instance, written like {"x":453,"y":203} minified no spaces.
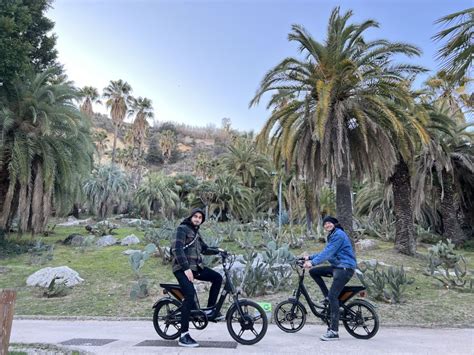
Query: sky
{"x":202,"y":60}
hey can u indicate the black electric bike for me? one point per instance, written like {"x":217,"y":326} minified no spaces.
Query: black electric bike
{"x":359,"y":316}
{"x":246,"y":320}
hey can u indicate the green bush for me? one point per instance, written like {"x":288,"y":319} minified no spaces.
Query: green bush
{"x":388,"y":286}
{"x":448,"y":267}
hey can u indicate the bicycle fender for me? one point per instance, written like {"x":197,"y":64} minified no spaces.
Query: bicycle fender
{"x":160,"y":300}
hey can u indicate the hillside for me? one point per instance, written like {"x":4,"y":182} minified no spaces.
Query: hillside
{"x":190,"y":142}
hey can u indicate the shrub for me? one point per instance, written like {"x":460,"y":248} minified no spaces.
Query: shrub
{"x":137,"y":260}
{"x":448,"y":267}
{"x":388,"y":286}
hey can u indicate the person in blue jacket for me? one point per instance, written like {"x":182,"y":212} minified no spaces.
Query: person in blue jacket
{"x":341,"y":256}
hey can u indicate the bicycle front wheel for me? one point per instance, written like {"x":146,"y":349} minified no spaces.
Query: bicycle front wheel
{"x":248,"y":326}
{"x":290,"y":316}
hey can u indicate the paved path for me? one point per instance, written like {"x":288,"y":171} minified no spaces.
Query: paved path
{"x":130,"y":333}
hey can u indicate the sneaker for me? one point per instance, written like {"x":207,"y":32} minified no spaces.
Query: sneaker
{"x":218,"y":317}
{"x":324,"y":302}
{"x":210,"y":313}
{"x":330,"y":335}
{"x":187,"y":341}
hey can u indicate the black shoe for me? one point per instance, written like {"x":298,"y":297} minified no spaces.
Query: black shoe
{"x":187,"y":341}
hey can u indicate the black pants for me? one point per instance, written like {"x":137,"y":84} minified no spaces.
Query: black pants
{"x":340,"y":278}
{"x":189,"y":292}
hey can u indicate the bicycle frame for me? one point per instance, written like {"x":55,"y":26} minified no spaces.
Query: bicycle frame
{"x":229,"y":289}
{"x":301,"y":290}
{"x":347,"y":293}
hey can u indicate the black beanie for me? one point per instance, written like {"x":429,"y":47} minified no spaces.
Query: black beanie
{"x":198,"y":210}
{"x":330,"y":219}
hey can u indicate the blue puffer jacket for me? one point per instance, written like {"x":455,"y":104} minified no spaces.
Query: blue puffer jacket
{"x":338,"y":251}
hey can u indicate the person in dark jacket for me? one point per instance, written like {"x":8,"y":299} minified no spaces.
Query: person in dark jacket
{"x":341,"y":256}
{"x":187,"y":248}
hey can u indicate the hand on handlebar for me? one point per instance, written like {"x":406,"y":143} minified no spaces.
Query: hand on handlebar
{"x":307,"y":264}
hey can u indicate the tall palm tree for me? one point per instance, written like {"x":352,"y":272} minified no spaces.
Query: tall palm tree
{"x":343,"y":91}
{"x":116,"y":95}
{"x":446,"y":165}
{"x":457,"y":53}
{"x":45,"y":149}
{"x":143,"y":110}
{"x":89,"y":96}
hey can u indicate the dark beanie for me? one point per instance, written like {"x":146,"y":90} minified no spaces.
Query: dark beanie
{"x":198,"y":210}
{"x":330,"y":219}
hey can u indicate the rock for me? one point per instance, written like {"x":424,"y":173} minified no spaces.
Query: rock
{"x":136,"y":222}
{"x":366,"y":244}
{"x":77,"y":241}
{"x":70,"y":237}
{"x":72,"y":221}
{"x":43,"y":277}
{"x":130,"y":239}
{"x":106,"y":241}
{"x":130,"y":251}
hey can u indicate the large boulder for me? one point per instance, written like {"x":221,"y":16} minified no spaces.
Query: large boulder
{"x":366,"y":244}
{"x":130,"y":240}
{"x":106,"y":241}
{"x":71,"y":237}
{"x":43,"y":277}
{"x":72,"y":221}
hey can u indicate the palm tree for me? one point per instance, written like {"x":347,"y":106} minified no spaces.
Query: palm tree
{"x":143,"y":110}
{"x":231,"y":198}
{"x":157,"y":193}
{"x":105,"y":188}
{"x":244,"y":161}
{"x":90,"y":96}
{"x":100,"y":140}
{"x":458,"y":51}
{"x":116,"y":95}
{"x":167,"y":142}
{"x":447,"y":165}
{"x":45,"y":149}
{"x":343,"y":91}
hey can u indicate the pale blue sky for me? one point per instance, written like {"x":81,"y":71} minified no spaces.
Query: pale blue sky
{"x":200,"y":61}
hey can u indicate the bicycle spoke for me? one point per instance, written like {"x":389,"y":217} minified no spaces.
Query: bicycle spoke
{"x":254,"y":331}
{"x":242,"y":330}
{"x":366,"y":329}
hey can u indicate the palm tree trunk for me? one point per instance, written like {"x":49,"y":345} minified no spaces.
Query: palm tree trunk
{"x":451,"y":227}
{"x":47,"y":205}
{"x":114,"y":147}
{"x":6,"y":216}
{"x":308,"y":204}
{"x":37,"y":201}
{"x":405,"y":241}
{"x":344,"y":201}
{"x":24,"y":207}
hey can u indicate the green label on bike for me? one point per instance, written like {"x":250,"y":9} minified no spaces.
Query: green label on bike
{"x":267,"y":306}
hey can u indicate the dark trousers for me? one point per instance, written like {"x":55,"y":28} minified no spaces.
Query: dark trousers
{"x":189,"y":292}
{"x":340,"y":278}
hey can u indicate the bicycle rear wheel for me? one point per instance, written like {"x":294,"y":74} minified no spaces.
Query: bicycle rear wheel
{"x":360,"y":319}
{"x":290,"y":316}
{"x":249,"y":327}
{"x":167,"y":318}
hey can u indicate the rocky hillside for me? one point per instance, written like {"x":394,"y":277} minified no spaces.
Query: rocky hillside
{"x":190,"y":143}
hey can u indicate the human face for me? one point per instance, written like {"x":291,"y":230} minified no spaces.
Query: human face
{"x":196,"y":219}
{"x":328,"y":226}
